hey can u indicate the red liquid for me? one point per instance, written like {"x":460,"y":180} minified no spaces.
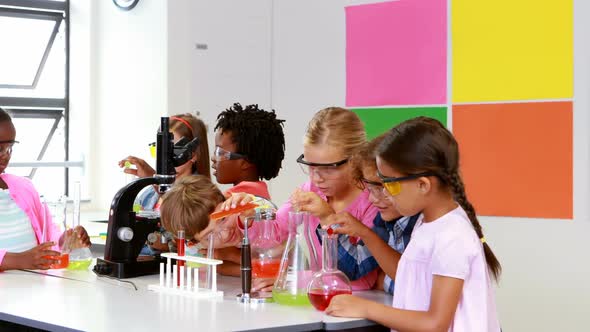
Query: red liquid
{"x":320,"y":299}
{"x":266,"y":268}
{"x":179,"y":252}
{"x":64,"y":261}
{"x":236,"y":210}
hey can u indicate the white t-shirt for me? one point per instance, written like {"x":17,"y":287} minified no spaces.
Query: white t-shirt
{"x":448,"y":246}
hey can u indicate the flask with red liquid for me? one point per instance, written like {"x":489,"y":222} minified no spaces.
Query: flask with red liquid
{"x":266,"y":248}
{"x":330,"y":281}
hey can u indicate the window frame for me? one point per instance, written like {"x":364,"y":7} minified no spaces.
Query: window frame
{"x":31,"y":107}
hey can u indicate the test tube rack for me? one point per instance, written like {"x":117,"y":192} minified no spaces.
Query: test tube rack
{"x":189,"y":281}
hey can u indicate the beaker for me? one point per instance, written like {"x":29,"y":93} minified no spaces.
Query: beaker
{"x":80,"y":257}
{"x":55,"y":212}
{"x":266,"y":248}
{"x":330,"y":281}
{"x":298,"y":263}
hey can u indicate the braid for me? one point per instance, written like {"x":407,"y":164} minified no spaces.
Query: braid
{"x":454,"y":181}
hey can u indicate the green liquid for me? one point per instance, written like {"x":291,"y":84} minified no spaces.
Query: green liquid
{"x":79,"y":265}
{"x":286,"y":298}
{"x":194,"y":264}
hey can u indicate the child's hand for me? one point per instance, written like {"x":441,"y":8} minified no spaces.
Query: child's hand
{"x":235,"y":200}
{"x":143,"y":169}
{"x":83,"y":239}
{"x":348,"y":306}
{"x":75,"y":238}
{"x":38,"y":258}
{"x":263,"y":284}
{"x":312,"y":203}
{"x":348,"y":225}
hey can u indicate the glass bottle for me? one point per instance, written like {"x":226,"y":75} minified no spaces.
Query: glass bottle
{"x":330,"y":281}
{"x":299,"y":262}
{"x":266,"y":248}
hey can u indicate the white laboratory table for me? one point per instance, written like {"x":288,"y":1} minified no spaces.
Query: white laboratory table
{"x":85,"y":302}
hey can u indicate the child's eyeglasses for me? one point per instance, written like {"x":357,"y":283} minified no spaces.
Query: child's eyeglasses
{"x":323,"y":170}
{"x":6,"y":147}
{"x":393,"y":185}
{"x":375,"y":188}
{"x":221,"y":155}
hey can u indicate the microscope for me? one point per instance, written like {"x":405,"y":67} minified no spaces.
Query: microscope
{"x":127,"y":232}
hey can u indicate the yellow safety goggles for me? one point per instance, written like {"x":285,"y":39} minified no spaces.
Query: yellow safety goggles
{"x":394,"y":186}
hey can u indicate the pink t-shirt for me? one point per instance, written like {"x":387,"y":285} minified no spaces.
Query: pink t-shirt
{"x":447,"y":246}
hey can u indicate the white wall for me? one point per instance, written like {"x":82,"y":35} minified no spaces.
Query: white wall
{"x":290,"y":55}
{"x":129,"y":89}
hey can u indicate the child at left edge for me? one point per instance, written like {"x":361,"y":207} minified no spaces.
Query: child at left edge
{"x":21,"y":209}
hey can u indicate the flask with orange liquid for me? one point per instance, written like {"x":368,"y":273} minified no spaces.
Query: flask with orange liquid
{"x":266,"y":248}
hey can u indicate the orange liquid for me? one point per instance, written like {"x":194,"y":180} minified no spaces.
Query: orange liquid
{"x":64,"y":261}
{"x":265,"y":269}
{"x":321,"y":300}
{"x":236,"y":210}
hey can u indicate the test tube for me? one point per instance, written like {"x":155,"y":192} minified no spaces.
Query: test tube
{"x":168,"y":272}
{"x":189,"y":280}
{"x":44,"y":234}
{"x":209,"y":280}
{"x":161,"y":274}
{"x":77,"y":194}
{"x":196,"y":279}
{"x":181,"y":276}
{"x":175,"y":276}
{"x":180,"y":251}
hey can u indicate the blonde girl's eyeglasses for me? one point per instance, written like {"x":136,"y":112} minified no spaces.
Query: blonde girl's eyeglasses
{"x":394,"y":186}
{"x":323,"y":170}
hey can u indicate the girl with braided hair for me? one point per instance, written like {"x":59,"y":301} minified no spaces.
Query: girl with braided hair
{"x":444,"y":277}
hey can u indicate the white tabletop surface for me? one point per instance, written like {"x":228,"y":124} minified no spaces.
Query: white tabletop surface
{"x":90,"y":303}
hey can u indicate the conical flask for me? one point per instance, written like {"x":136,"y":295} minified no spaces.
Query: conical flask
{"x":330,"y":281}
{"x":266,"y":248}
{"x":299,"y":262}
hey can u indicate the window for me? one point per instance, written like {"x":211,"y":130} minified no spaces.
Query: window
{"x":34,"y":89}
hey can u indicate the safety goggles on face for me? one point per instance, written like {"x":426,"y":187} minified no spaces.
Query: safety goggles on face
{"x":375,"y":188}
{"x":6,"y":147}
{"x":221,"y":155}
{"x":323,"y":170}
{"x":394,"y":186}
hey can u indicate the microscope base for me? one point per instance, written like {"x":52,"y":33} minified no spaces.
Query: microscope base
{"x":122,"y":270}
